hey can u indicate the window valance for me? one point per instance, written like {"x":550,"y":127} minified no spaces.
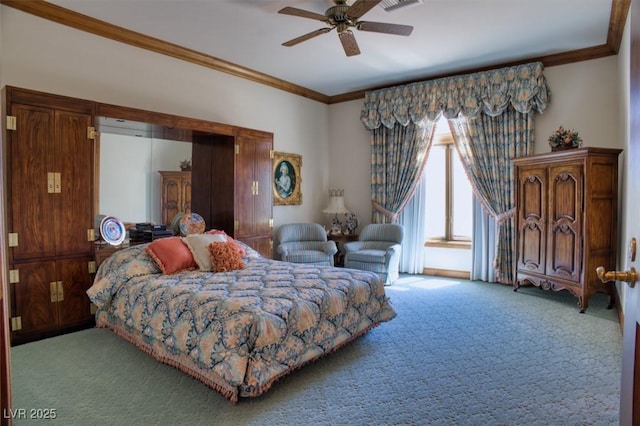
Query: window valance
{"x":523,"y":86}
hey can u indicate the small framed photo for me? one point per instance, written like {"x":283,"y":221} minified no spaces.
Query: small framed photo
{"x":287,"y":180}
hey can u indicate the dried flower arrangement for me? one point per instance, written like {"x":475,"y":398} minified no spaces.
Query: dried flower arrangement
{"x":564,"y":139}
{"x":185,"y":164}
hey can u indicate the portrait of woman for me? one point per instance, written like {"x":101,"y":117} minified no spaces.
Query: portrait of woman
{"x":286,"y":179}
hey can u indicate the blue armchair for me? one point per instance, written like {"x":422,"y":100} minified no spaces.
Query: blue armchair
{"x":305,"y":243}
{"x":378,"y":250}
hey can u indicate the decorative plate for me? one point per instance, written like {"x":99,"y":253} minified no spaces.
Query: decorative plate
{"x":112,"y":230}
{"x":191,"y":223}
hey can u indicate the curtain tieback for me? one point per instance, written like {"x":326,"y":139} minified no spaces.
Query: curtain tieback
{"x":506,"y":215}
{"x":387,"y":213}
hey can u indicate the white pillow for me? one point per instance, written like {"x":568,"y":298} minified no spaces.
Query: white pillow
{"x":199,"y":246}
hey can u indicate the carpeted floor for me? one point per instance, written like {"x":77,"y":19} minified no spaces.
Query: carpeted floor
{"x":458,"y":353}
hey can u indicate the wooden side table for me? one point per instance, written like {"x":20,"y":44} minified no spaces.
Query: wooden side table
{"x":103,"y":251}
{"x":340,"y":239}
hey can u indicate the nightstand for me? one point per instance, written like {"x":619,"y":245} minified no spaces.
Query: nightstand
{"x":103,"y":251}
{"x":340,"y":239}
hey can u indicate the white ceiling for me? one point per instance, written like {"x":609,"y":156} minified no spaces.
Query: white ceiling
{"x":449,"y":36}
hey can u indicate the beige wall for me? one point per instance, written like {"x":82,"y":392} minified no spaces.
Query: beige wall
{"x":41,"y":55}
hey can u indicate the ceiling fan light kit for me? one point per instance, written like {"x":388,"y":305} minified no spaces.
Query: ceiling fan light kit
{"x":343,"y":18}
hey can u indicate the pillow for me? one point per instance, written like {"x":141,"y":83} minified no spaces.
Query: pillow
{"x":199,"y":246}
{"x":225,"y":257}
{"x":239,"y":247}
{"x":171,"y":255}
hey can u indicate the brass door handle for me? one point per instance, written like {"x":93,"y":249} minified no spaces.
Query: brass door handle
{"x":629,"y":276}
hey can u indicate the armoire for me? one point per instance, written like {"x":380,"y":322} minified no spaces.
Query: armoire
{"x":51,"y":156}
{"x":175,"y":194}
{"x":567,"y":220}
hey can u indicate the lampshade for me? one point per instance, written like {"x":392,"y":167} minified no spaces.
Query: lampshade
{"x":336,"y":202}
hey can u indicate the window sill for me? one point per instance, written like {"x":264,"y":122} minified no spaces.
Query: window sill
{"x":448,"y":244}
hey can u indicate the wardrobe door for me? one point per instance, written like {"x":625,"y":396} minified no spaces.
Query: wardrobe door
{"x":253,"y":195}
{"x":532,"y":211}
{"x":32,"y":300}
{"x":263,"y":204}
{"x":74,"y":280}
{"x":245,"y":188}
{"x":73,"y":160}
{"x":31,"y":205}
{"x":564,"y":252}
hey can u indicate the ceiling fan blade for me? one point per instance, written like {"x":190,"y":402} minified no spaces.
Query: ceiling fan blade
{"x":302,"y":13}
{"x":306,"y":37}
{"x":360,"y":7}
{"x":349,"y":43}
{"x":382,"y":27}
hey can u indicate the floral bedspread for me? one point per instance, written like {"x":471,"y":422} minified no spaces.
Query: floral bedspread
{"x":237,"y":331}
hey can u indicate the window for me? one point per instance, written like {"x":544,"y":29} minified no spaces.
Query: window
{"x":448,"y":192}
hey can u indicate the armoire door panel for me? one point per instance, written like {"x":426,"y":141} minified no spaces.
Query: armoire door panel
{"x":564,"y":249}
{"x":74,"y":156}
{"x":185,"y":194}
{"x":264,"y":198}
{"x":532,"y":248}
{"x":31,"y":147}
{"x":533,"y":194}
{"x":565,"y":193}
{"x":564,"y":258}
{"x":75,"y":279}
{"x":245,"y":187}
{"x":32,"y":297}
{"x":532,"y":199}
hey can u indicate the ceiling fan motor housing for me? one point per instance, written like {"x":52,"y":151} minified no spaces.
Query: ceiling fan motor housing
{"x":338,"y":14}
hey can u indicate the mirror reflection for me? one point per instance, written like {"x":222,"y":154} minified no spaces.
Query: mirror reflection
{"x":131,"y":156}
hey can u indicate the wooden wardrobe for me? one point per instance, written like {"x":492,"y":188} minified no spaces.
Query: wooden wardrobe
{"x":50,"y":216}
{"x":567,"y":220}
{"x":176,"y":194}
{"x":51,"y":157}
{"x":231,"y":185}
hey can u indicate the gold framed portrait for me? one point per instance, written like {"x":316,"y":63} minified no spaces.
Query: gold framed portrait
{"x":287,"y":179}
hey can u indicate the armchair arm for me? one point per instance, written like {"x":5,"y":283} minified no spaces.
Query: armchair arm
{"x":392,"y":250}
{"x":352,"y":246}
{"x":330,"y":247}
{"x":283,"y":250}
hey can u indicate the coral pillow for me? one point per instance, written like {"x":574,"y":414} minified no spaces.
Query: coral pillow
{"x":225,"y":257}
{"x":171,"y":255}
{"x":240,"y":249}
{"x":199,"y":246}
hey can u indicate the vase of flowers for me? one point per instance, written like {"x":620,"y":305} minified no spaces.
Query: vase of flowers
{"x":563,"y":139}
{"x":185,"y":165}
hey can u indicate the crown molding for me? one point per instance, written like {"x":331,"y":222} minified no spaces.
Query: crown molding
{"x":49,"y":11}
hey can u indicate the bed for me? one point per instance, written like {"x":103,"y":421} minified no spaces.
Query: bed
{"x":240,"y":330}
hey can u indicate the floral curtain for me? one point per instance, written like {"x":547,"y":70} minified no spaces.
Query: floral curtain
{"x":490,"y":92}
{"x":486,"y":146}
{"x":474,"y":103}
{"x":398,"y":155}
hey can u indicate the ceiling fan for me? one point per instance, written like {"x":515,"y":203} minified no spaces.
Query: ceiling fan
{"x":344,"y":17}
